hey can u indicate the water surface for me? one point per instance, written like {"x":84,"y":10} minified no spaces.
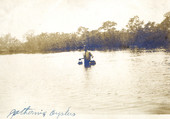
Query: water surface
{"x":122,"y":82}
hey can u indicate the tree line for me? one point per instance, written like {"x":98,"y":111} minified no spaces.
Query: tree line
{"x":137,"y":34}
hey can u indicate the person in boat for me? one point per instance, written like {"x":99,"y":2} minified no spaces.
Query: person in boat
{"x":87,"y":57}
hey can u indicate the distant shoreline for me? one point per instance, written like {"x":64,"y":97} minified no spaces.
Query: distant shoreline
{"x":106,"y":50}
{"x":137,"y":35}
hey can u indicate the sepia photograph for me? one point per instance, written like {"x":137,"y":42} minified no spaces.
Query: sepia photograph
{"x":84,"y":59}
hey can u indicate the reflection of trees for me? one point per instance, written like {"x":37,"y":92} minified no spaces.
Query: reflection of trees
{"x":137,"y":34}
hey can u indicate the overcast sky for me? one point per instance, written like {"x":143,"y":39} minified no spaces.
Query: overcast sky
{"x":21,"y":16}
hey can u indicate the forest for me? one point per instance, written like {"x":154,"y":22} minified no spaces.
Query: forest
{"x":137,"y":34}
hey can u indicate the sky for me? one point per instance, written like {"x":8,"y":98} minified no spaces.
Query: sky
{"x":19,"y":17}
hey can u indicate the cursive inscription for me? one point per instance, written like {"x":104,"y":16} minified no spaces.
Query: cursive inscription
{"x":58,"y":114}
{"x":29,"y":111}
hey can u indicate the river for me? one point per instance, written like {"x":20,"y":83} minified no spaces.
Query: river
{"x":121,"y":82}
